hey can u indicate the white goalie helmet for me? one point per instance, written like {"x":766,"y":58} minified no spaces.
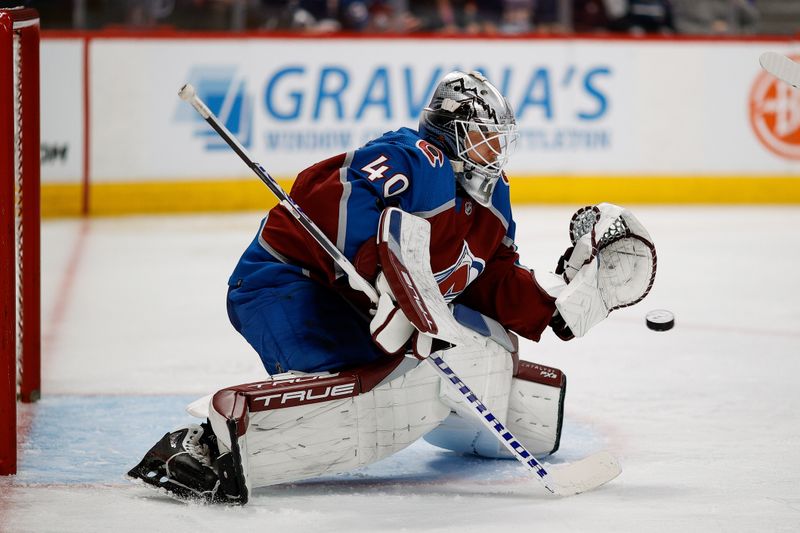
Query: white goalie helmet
{"x":474,"y":124}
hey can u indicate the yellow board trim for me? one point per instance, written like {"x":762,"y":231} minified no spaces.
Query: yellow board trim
{"x":61,"y":200}
{"x":627,"y":190}
{"x":181,"y":197}
{"x":65,"y":200}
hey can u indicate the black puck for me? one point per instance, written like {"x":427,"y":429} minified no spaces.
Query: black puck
{"x":660,"y":320}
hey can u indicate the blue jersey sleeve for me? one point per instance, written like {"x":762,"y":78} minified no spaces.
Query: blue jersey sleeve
{"x":399,"y":170}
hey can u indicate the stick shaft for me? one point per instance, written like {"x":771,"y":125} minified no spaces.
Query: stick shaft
{"x":490,"y":421}
{"x":356,"y":281}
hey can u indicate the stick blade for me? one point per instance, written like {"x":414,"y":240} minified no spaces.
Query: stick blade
{"x":781,"y":67}
{"x":584,"y":475}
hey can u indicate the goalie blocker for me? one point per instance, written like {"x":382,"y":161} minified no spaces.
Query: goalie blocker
{"x":295,"y":426}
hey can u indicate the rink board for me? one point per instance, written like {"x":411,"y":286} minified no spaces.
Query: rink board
{"x":658,"y":121}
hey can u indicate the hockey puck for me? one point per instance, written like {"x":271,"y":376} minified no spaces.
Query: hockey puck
{"x":660,"y":320}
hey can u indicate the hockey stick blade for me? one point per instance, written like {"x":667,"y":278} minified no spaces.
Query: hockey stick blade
{"x":584,"y":475}
{"x":781,"y":67}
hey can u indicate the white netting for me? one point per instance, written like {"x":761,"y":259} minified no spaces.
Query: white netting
{"x":18,"y":227}
{"x":19,"y":171}
{"x":583,"y":222}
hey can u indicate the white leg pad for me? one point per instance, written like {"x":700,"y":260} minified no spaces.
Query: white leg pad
{"x":296,"y":426}
{"x":536,"y":407}
{"x":526,"y":397}
{"x":290,"y":439}
{"x":534,"y":413}
{"x":487,"y":370}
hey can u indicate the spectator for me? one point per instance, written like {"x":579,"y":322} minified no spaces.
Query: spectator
{"x":641,"y":16}
{"x":517,"y":16}
{"x":420,"y":16}
{"x":456,"y":16}
{"x":547,"y":17}
{"x":589,"y":16}
{"x":489,"y":16}
{"x":715,"y":17}
{"x":335,"y":15}
{"x":274,"y":15}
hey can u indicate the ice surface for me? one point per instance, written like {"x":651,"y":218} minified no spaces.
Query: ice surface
{"x":704,"y":418}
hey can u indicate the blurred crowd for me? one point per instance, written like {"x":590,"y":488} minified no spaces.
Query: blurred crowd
{"x":509,"y":17}
{"x":471,"y":17}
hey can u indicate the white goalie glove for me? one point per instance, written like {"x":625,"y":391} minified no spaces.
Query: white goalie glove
{"x":612,"y":264}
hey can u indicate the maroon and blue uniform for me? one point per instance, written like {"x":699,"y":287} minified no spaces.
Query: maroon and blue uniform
{"x":292,"y":304}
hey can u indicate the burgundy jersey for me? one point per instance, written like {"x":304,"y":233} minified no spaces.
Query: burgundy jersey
{"x":472,"y":249}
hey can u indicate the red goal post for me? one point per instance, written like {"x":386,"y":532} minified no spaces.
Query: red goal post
{"x":20,"y":270}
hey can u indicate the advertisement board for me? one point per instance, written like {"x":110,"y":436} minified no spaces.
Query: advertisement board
{"x":598,"y":109}
{"x":61,"y":102}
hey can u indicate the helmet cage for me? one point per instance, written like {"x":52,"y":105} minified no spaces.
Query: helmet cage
{"x":485,"y":147}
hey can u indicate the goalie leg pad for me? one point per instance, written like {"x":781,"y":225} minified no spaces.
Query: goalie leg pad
{"x":527,"y":398}
{"x":536,"y":407}
{"x":535,"y":413}
{"x":296,"y":426}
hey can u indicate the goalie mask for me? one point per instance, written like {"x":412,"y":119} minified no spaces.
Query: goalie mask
{"x":474,"y":124}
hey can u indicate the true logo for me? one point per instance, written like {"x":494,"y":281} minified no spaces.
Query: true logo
{"x":309,"y":395}
{"x":775,"y":115}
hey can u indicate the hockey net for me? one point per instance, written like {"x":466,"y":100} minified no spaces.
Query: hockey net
{"x":19,"y":223}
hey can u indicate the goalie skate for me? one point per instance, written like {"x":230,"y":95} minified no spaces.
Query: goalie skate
{"x":186,"y":464}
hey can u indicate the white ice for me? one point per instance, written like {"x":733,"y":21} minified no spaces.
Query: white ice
{"x":704,"y":418}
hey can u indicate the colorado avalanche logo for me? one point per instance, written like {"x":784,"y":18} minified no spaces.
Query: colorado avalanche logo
{"x":454,"y":279}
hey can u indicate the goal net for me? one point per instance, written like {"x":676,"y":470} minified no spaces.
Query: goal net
{"x":19,"y":223}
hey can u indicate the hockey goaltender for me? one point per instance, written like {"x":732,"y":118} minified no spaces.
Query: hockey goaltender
{"x":396,"y":253}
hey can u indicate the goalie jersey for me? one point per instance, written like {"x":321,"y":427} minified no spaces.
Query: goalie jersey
{"x":473,"y":255}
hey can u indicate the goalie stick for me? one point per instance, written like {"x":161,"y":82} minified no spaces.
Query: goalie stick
{"x":188,"y":94}
{"x":565,"y":480}
{"x":781,"y":67}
